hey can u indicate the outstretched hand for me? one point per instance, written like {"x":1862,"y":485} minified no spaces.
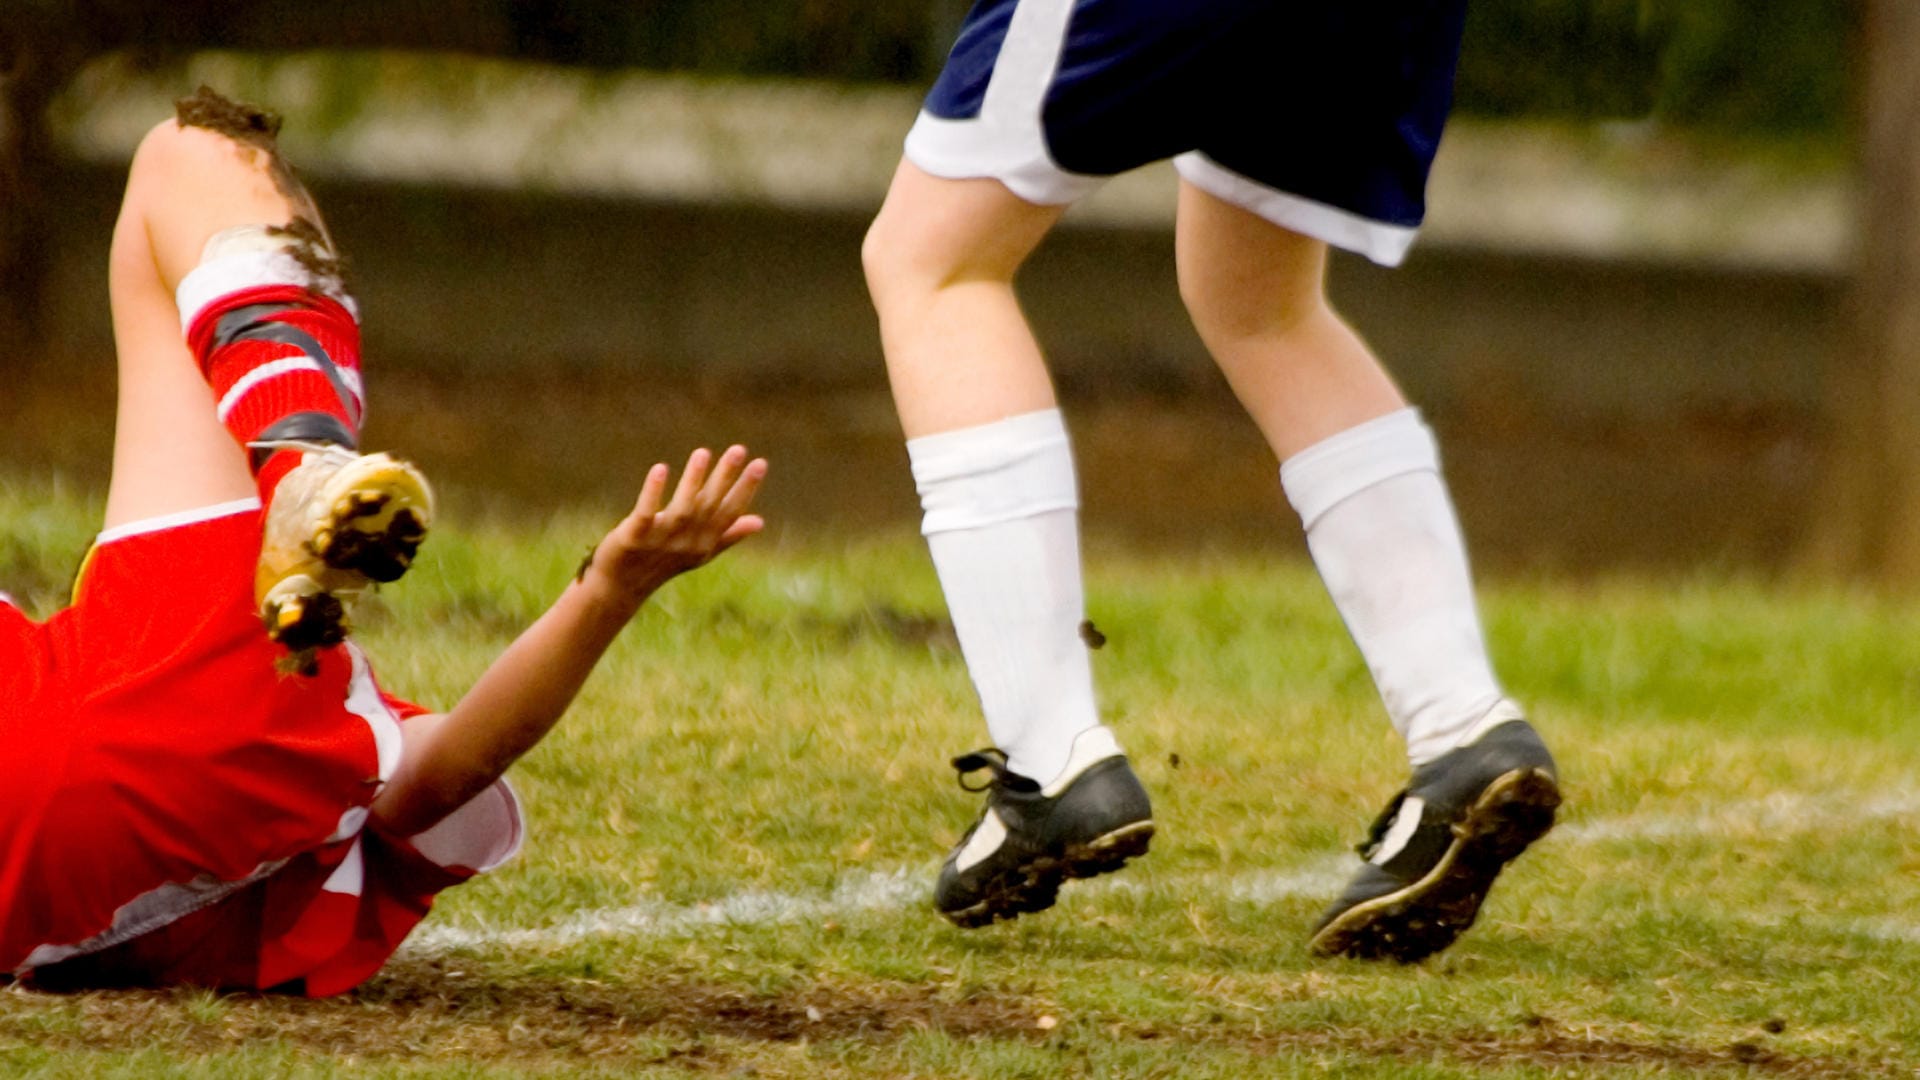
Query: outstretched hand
{"x":452,"y":757}
{"x":664,"y":537}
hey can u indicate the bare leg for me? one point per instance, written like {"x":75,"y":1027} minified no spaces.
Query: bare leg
{"x":1357,"y":463}
{"x":940,"y":262}
{"x":260,"y":393}
{"x":1364,"y":472}
{"x":171,"y":453}
{"x":1256,"y":295}
{"x":989,"y":451}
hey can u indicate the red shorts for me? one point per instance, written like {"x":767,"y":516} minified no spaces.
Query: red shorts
{"x":156,"y":757}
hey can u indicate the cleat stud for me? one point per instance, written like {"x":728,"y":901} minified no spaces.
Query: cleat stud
{"x":362,"y":504}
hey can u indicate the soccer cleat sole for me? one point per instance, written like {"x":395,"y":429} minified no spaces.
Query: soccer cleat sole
{"x":383,"y":552}
{"x":1414,"y":922}
{"x":369,"y":530}
{"x":302,"y":618}
{"x":1035,"y":885}
{"x":375,"y":527}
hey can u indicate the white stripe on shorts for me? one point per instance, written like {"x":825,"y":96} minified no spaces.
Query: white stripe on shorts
{"x":1006,"y":141}
{"x":365,"y":702}
{"x":1383,"y":243}
{"x":177,"y":519}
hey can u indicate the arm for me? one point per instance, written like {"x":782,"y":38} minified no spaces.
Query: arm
{"x":453,"y":757}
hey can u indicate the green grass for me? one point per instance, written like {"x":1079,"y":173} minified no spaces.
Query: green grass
{"x":733,"y":832}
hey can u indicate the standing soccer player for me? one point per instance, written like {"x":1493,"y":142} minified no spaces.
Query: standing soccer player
{"x":191,"y":796}
{"x":1293,"y":127}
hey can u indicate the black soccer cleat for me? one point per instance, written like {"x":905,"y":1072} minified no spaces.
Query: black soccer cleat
{"x":1027,"y":842}
{"x":1433,"y":853}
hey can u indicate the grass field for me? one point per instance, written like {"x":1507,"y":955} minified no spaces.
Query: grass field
{"x":733,"y":836}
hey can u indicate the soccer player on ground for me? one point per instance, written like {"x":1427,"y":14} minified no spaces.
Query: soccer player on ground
{"x":191,"y":797}
{"x":1293,"y":127}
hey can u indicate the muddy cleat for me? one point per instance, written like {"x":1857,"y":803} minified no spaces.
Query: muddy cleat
{"x":1029,"y":839}
{"x":339,"y":523}
{"x":1435,"y":850}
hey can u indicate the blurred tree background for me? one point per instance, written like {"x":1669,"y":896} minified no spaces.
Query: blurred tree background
{"x":1792,"y":74}
{"x":1742,"y":66}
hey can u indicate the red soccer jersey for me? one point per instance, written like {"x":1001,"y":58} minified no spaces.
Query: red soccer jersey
{"x":164,"y":773}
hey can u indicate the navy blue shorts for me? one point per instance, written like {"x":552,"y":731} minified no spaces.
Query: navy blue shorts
{"x":1322,"y":118}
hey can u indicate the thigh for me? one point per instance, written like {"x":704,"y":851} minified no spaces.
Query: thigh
{"x":186,"y":184}
{"x":170,"y":451}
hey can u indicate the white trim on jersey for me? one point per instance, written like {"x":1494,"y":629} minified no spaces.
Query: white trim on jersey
{"x":286,"y":366}
{"x":479,"y":836}
{"x":1007,"y":141}
{"x":177,"y":519}
{"x":365,"y":702}
{"x":1383,"y":243}
{"x":350,"y":877}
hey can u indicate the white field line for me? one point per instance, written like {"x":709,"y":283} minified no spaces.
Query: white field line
{"x":888,"y":891}
{"x":900,"y":889}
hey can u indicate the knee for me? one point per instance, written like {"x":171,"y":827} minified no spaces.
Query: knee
{"x":170,"y":146}
{"x":892,"y":258}
{"x":162,"y":151}
{"x":1226,"y":305}
{"x":910,"y":256}
{"x":163,"y":163}
{"x":173,"y":156}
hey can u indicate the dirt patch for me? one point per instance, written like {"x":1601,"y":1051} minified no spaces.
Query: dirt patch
{"x":430,"y":1010}
{"x":1585,"y":1052}
{"x":249,"y":124}
{"x":678,"y":1005}
{"x":427,"y":1010}
{"x":313,"y":250}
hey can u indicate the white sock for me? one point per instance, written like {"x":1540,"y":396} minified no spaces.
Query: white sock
{"x":1383,"y":535}
{"x":1002,"y":522}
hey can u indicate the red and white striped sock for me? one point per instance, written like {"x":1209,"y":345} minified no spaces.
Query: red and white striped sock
{"x":282,"y":355}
